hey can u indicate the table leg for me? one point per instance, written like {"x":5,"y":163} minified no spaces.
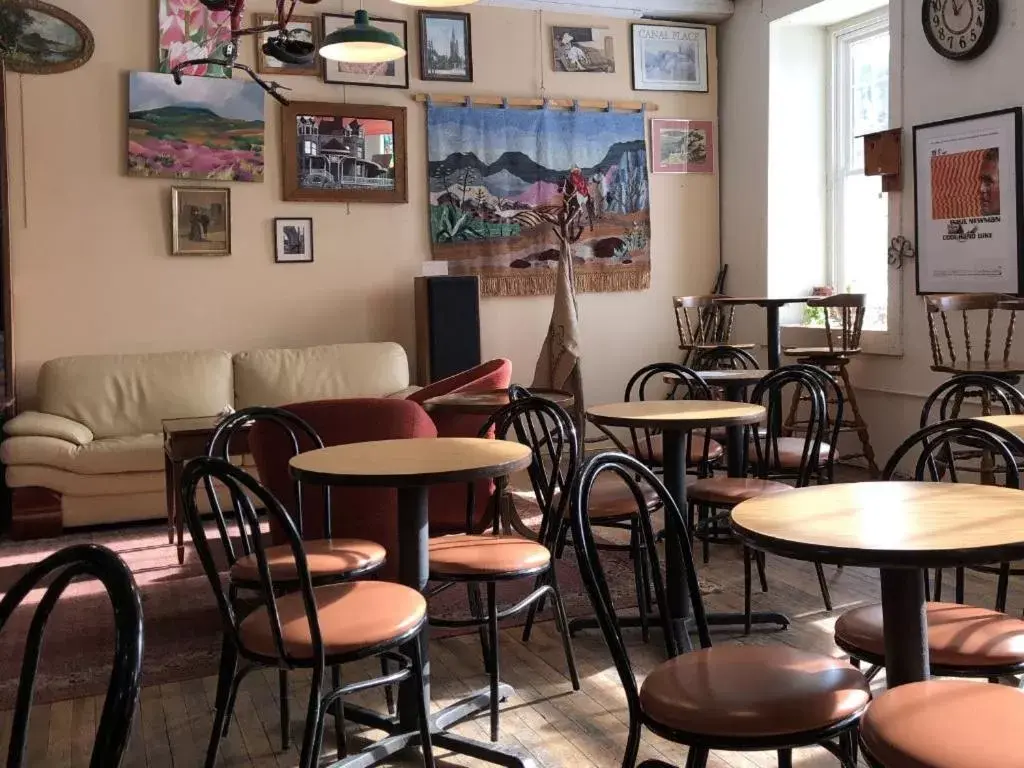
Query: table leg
{"x":179,"y":517}
{"x":674,"y":465}
{"x":735,"y":458}
{"x":774,"y":361}
{"x":906,"y":626}
{"x":170,"y":494}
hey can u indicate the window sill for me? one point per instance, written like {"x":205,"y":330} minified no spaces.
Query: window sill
{"x":884,"y":343}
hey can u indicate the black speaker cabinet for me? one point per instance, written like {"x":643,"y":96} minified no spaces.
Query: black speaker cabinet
{"x":447,"y":327}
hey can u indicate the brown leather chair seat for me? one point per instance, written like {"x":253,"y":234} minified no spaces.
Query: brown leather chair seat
{"x":732,"y":490}
{"x":656,"y":454}
{"x":945,"y":724}
{"x":612,"y":499}
{"x":325,"y":557}
{"x":353,"y":616}
{"x":958,"y":635}
{"x":791,"y":451}
{"x":748,"y":691}
{"x":485,"y":555}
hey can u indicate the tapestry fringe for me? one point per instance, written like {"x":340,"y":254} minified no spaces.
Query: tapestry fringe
{"x":586,"y":282}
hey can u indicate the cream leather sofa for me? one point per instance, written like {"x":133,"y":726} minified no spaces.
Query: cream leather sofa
{"x":92,"y":450}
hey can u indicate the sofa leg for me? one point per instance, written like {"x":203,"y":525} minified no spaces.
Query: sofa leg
{"x":35,"y":513}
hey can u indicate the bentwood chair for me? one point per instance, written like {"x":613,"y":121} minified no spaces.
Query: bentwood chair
{"x":493,"y":558}
{"x":312,"y":627}
{"x":963,"y":640}
{"x":331,"y":560}
{"x":723,"y":357}
{"x":729,"y":697}
{"x":54,"y":574}
{"x":703,"y":324}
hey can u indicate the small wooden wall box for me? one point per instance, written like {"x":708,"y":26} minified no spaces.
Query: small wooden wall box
{"x":883,"y":156}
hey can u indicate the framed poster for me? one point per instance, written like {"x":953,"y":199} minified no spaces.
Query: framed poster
{"x":682,"y":146}
{"x":385,"y":74}
{"x":670,"y":58}
{"x":968,"y":199}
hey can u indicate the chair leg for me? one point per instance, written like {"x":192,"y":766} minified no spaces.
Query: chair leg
{"x":339,"y":714}
{"x":858,"y":421}
{"x":562,"y":623}
{"x":282,"y":688}
{"x":708,"y":517}
{"x":938,"y":585}
{"x":788,"y":426}
{"x":423,"y":707}
{"x":532,"y":614}
{"x":823,"y":584}
{"x":785,"y":758}
{"x":747,"y":619}
{"x":1003,"y":587}
{"x":494,"y":667}
{"x":696,"y":757}
{"x":639,"y":582}
{"x":960,"y":585}
{"x":762,"y":576}
{"x":222,"y":715}
{"x":313,"y":733}
{"x":389,"y":692}
{"x":477,"y":612}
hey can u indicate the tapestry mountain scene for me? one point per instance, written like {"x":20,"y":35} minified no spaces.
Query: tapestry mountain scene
{"x":499,"y":179}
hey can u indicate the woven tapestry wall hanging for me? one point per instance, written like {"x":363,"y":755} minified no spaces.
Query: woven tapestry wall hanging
{"x":500,"y":177}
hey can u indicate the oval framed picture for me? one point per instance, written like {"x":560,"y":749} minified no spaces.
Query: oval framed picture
{"x":42,"y":39}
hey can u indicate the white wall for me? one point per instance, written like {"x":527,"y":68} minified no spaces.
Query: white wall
{"x":891,"y":389}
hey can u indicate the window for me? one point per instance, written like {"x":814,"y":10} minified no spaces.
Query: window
{"x":858,"y":213}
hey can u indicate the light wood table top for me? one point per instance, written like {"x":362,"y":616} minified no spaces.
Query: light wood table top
{"x":675,"y":414}
{"x":894,"y":524}
{"x":489,"y":401}
{"x":1010,"y":422}
{"x":726,"y":376}
{"x":761,"y":301}
{"x":411,"y":462}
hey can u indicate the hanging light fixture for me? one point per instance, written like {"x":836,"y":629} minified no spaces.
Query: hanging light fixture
{"x":435,"y":3}
{"x":362,"y":43}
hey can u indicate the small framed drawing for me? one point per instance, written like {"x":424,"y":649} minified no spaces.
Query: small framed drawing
{"x":387,"y":74}
{"x":293,"y":241}
{"x":304,"y":28}
{"x":583,"y":49}
{"x":446,"y":47}
{"x":670,"y":58}
{"x":968,"y":195}
{"x":200,"y":221}
{"x":682,"y":146}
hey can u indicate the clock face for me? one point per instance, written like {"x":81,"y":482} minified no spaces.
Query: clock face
{"x":960,"y":29}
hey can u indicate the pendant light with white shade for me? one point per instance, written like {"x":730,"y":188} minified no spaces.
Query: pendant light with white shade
{"x":362,"y":43}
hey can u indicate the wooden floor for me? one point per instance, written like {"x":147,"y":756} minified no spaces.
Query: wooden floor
{"x":544,"y":718}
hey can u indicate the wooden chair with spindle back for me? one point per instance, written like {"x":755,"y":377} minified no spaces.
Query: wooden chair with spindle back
{"x":947,"y":354}
{"x":843,"y":325}
{"x":702,"y":324}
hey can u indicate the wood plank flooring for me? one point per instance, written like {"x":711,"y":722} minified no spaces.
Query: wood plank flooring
{"x":544,"y":718}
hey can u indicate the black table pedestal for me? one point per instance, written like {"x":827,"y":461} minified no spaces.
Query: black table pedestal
{"x":906,"y":626}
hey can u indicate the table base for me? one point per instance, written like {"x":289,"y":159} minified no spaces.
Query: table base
{"x":905,"y":619}
{"x":714,"y":620}
{"x":440,"y":722}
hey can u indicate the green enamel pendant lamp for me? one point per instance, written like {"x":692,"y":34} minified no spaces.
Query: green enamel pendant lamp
{"x":362,"y":43}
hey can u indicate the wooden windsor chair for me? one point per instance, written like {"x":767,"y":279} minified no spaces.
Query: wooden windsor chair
{"x":955,"y":353}
{"x":703,"y":325}
{"x":844,"y":323}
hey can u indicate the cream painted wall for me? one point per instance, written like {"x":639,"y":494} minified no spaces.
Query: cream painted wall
{"x":91,"y":270}
{"x":891,"y":389}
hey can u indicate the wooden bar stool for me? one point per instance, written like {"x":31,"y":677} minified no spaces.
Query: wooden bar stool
{"x":844,"y":322}
{"x":948,"y":357}
{"x":703,"y":325}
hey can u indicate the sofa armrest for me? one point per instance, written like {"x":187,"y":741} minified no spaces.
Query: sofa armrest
{"x":403,"y":394}
{"x":36,"y":424}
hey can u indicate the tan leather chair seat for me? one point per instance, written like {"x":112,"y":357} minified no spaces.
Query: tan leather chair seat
{"x":485,"y":555}
{"x":818,"y":352}
{"x":791,"y":452}
{"x":325,"y":557}
{"x":732,"y":490}
{"x":352,"y":616}
{"x":610,"y":498}
{"x":656,"y":454}
{"x":946,"y":724}
{"x":958,"y":635}
{"x":749,"y":691}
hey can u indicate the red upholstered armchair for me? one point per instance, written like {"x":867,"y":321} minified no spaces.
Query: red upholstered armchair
{"x":448,"y":502}
{"x":365,"y":513}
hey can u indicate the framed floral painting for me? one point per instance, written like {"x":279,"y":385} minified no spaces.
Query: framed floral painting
{"x":188,"y":30}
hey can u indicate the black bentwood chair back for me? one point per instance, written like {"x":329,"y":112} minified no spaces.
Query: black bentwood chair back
{"x":118,"y":712}
{"x":793,"y":458}
{"x":310,"y":627}
{"x":998,"y":397}
{"x":723,"y":358}
{"x":724,"y":698}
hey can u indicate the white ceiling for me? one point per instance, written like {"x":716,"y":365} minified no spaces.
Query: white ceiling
{"x":829,"y":12}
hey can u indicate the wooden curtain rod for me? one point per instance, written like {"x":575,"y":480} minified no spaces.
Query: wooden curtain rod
{"x":497,"y":101}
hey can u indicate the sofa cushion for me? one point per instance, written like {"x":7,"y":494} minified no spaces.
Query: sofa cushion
{"x":34,"y":423}
{"x":74,"y":484}
{"x":110,"y":455}
{"x":338,"y":371}
{"x":120,"y":395}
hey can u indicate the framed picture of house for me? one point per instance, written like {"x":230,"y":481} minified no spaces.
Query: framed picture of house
{"x":670,"y":58}
{"x":385,"y":74}
{"x":446,"y":47}
{"x":344,"y":153}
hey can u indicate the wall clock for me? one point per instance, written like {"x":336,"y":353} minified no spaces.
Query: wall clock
{"x":960,"y":29}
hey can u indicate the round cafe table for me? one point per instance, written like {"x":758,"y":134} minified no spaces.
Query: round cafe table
{"x":676,"y":419}
{"x":900,"y":528}
{"x":489,"y":402}
{"x":411,"y":466}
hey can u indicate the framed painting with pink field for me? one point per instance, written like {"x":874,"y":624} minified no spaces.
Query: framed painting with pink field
{"x":682,"y":146}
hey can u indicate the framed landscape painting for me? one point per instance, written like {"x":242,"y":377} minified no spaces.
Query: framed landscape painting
{"x":343,"y":153}
{"x":682,"y":146}
{"x":670,"y":58}
{"x":205,"y":128}
{"x":386,"y":74}
{"x":41,"y":39}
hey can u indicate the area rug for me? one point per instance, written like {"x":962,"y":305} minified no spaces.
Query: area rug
{"x":182,"y":624}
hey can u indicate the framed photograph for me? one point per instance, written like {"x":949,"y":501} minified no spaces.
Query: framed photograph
{"x":303,"y":28}
{"x":682,"y":146}
{"x":583,"y":49}
{"x":344,"y":153}
{"x":200,"y":221}
{"x":968,"y":200}
{"x":388,"y":74}
{"x":446,"y":47}
{"x":670,"y":58}
{"x":293,"y":241}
